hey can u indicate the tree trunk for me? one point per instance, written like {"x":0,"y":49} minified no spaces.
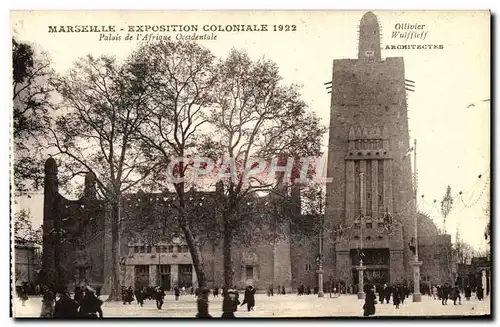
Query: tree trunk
{"x":195,"y":255}
{"x":227,"y":251}
{"x":115,"y":294}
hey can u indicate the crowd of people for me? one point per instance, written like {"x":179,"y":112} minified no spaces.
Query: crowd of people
{"x":86,"y":303}
{"x":399,"y":292}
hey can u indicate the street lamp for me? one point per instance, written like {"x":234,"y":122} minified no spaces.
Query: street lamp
{"x":361,"y":268}
{"x":320,"y":256}
{"x":417,"y":297}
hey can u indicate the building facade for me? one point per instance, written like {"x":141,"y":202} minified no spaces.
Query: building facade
{"x":77,"y":243}
{"x":27,"y":261}
{"x":367,"y":161}
{"x":371,"y":178}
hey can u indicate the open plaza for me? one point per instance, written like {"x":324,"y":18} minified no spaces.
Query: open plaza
{"x":278,"y":306}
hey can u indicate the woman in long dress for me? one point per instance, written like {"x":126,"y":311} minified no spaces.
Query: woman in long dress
{"x":370,"y":301}
{"x":48,"y":304}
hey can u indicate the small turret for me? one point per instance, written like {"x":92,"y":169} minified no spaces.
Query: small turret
{"x":90,"y":191}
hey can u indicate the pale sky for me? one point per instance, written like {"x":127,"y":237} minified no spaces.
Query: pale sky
{"x":453,"y":140}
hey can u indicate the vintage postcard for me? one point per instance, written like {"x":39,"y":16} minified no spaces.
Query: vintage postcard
{"x":250,"y":164}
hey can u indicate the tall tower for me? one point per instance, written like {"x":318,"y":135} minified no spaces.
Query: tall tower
{"x":370,"y":176}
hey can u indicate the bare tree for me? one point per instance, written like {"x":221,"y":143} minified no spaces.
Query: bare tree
{"x":254,"y":116}
{"x":103,"y":104}
{"x":180,"y":73}
{"x":31,"y":97}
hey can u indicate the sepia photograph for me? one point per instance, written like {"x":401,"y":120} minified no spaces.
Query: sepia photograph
{"x":250,"y":164}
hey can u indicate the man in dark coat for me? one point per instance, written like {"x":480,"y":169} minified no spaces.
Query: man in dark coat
{"x":382,"y":293}
{"x":159,"y":294}
{"x":177,"y":293}
{"x":90,"y":305}
{"x":455,"y":294}
{"x":467,"y":292}
{"x":139,"y":296}
{"x":403,"y":293}
{"x":396,"y":295}
{"x":230,"y":303}
{"x":202,"y":303}
{"x":479,"y":293}
{"x":388,"y":293}
{"x":128,"y":295}
{"x":249,"y":298}
{"x":445,"y":293}
{"x":216,"y":291}
{"x":65,"y":307}
{"x":78,"y":294}
{"x":370,"y":301}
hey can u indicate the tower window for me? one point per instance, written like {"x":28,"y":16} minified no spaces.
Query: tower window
{"x":308,"y":267}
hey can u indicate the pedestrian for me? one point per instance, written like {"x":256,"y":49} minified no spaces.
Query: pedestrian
{"x":159,"y":295}
{"x":128,"y":295}
{"x":403,"y":293}
{"x":216,"y":291}
{"x":139,"y":296}
{"x":177,"y":293}
{"x":480,"y":293}
{"x":78,"y":294}
{"x":230,"y":303}
{"x":455,"y":294}
{"x":22,"y":292}
{"x":370,"y":301}
{"x":90,"y":305}
{"x":467,"y":292}
{"x":388,"y":293}
{"x":48,"y":304}
{"x":396,"y":295}
{"x":279,"y":289}
{"x":445,"y":293}
{"x":381,"y":294}
{"x":98,"y":291}
{"x":283,"y":290}
{"x":249,"y":297}
{"x":434,"y":292}
{"x":192,"y":290}
{"x":202,"y":303}
{"x":65,"y":307}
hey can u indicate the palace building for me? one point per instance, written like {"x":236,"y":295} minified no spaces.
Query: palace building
{"x":371,"y":179}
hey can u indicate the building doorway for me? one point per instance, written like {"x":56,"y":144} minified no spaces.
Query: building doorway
{"x":141,"y":276}
{"x":185,"y":276}
{"x":164,"y":277}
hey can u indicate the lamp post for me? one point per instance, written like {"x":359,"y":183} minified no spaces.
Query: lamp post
{"x":361,"y":268}
{"x":320,"y":258}
{"x":417,"y":297}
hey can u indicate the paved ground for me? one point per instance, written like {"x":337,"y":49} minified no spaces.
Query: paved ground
{"x":278,"y":306}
